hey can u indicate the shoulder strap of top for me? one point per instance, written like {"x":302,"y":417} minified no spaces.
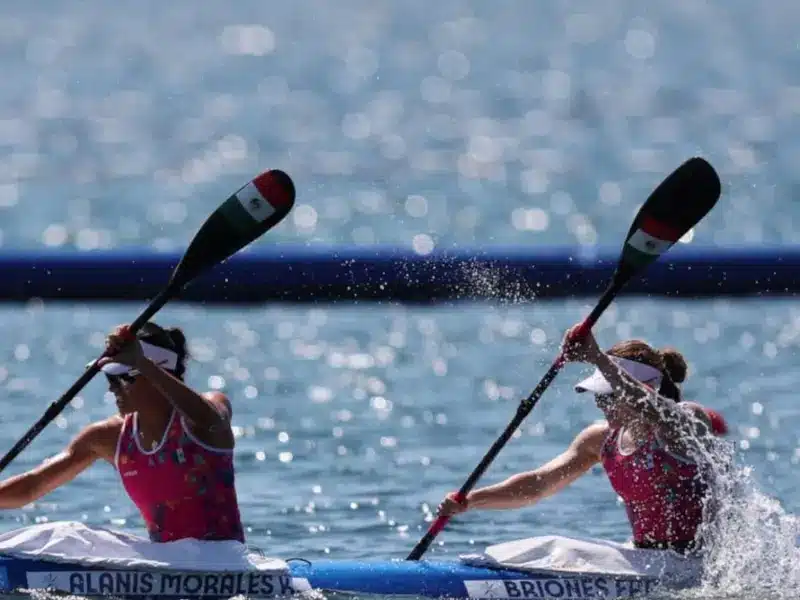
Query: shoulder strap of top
{"x":610,"y":443}
{"x":125,"y":433}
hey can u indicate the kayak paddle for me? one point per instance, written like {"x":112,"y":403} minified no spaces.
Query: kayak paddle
{"x":250,"y":212}
{"x":671,"y":210}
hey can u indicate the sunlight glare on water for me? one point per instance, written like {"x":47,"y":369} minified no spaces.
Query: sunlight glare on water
{"x":346,"y":419}
{"x":422,"y":125}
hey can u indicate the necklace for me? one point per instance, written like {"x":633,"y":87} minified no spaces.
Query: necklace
{"x":153,"y":444}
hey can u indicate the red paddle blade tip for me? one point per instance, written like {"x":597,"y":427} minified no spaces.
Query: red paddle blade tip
{"x":277,"y":188}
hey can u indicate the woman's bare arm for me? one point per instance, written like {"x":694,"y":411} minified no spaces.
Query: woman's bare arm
{"x":97,"y":440}
{"x":527,"y":488}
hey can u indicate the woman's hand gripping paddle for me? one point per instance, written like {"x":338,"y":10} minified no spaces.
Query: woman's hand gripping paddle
{"x":244,"y":217}
{"x":672,"y":209}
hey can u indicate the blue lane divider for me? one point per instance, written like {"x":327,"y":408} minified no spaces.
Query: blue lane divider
{"x":326,"y":273}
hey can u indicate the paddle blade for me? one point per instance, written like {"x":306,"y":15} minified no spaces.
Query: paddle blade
{"x":671,"y":210}
{"x":253,"y":210}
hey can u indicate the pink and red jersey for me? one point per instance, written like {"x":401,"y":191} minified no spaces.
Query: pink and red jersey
{"x":663,"y":492}
{"x":183,"y":488}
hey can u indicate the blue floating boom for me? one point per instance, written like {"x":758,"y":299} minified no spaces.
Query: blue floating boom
{"x":330,"y":273}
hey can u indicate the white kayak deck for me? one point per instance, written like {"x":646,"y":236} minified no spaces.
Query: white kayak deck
{"x":578,"y":555}
{"x":78,"y":544}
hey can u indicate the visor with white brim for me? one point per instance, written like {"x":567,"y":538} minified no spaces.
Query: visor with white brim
{"x":597,"y":384}
{"x":163,"y":357}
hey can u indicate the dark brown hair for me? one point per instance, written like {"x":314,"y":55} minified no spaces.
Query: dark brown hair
{"x":171,"y":338}
{"x":667,"y":360}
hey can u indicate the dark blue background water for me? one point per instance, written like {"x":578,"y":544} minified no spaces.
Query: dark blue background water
{"x":421,"y":124}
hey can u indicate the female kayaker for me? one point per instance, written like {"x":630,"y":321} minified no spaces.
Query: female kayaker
{"x":172,"y":446}
{"x":649,"y":446}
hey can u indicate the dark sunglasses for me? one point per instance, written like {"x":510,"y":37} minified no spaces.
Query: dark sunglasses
{"x":118,"y":380}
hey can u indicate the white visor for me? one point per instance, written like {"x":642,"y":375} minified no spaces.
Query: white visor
{"x":163,"y":357}
{"x":597,"y":384}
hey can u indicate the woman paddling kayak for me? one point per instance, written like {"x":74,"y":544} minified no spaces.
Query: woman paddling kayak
{"x":648,"y":446}
{"x":172,"y":446}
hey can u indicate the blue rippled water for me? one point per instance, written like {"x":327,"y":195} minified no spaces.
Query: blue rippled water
{"x":422,"y":124}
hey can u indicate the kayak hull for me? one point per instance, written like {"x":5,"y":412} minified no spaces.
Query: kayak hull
{"x":427,"y":579}
{"x":80,"y":560}
{"x":453,"y":579}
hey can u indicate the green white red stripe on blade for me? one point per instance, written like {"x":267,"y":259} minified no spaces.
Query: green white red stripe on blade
{"x":256,"y":202}
{"x":650,"y":240}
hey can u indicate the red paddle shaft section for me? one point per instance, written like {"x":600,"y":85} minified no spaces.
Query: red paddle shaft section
{"x":276,"y":187}
{"x":581,"y":332}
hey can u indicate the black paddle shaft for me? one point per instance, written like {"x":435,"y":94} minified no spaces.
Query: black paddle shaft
{"x":526,"y":406}
{"x":246,"y":215}
{"x":523,"y":410}
{"x":679,"y":202}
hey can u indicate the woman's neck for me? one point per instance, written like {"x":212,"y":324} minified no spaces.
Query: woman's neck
{"x":152,"y":423}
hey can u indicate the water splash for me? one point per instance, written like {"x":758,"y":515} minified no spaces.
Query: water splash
{"x":751,"y":544}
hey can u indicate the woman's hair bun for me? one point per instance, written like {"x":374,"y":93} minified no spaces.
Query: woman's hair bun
{"x":674,"y":364}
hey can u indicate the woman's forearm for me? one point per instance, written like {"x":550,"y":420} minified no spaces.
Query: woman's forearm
{"x":21,"y":490}
{"x":652,"y":406}
{"x":17,"y":491}
{"x":515,"y":492}
{"x":189,"y":403}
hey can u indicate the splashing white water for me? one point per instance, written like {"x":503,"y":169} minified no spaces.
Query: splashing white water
{"x":751,"y":545}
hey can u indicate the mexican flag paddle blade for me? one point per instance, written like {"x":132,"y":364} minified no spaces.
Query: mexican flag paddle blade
{"x":241,"y":219}
{"x":674,"y":207}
